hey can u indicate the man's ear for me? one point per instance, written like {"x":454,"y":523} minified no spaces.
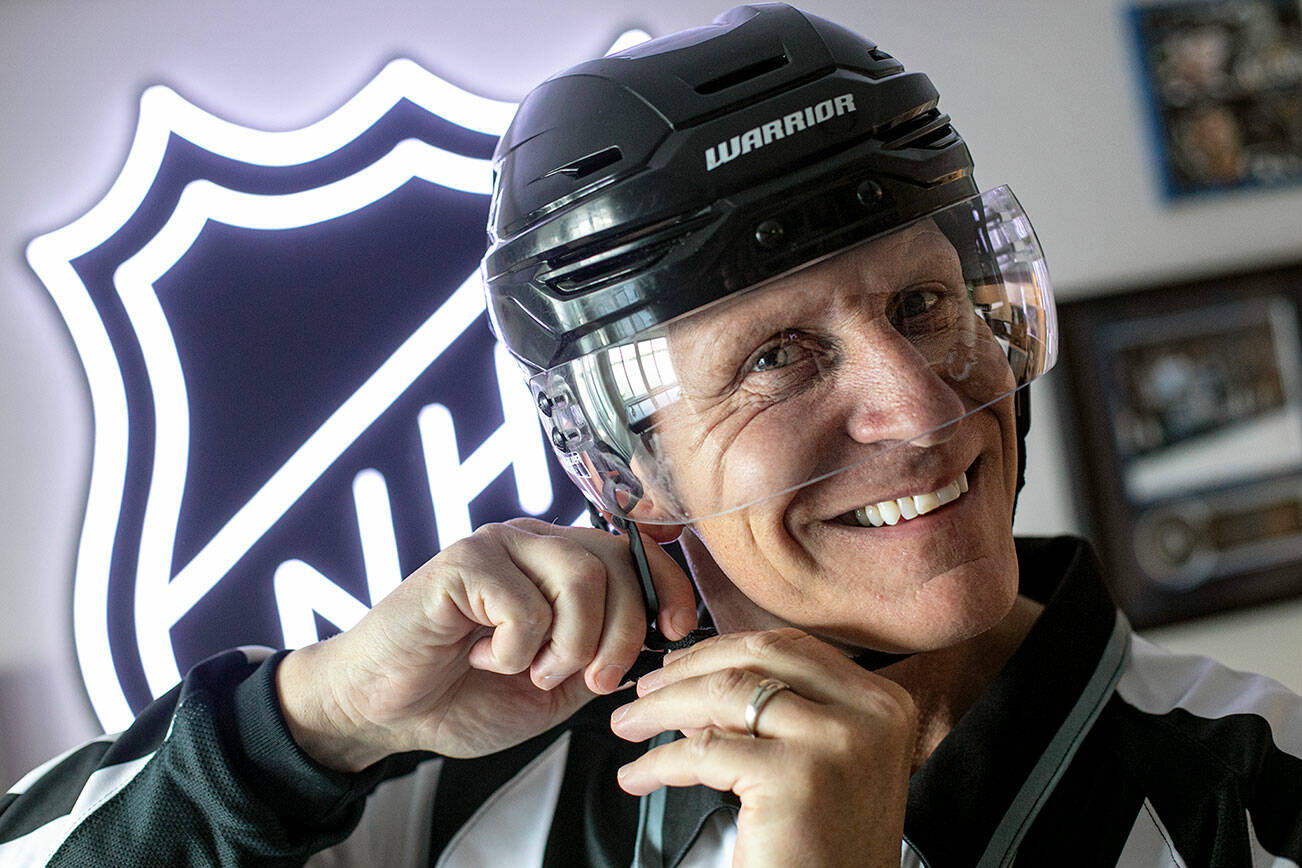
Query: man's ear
{"x":661,"y":533}
{"x":655,"y":522}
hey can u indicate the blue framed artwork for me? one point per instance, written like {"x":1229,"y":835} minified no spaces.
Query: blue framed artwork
{"x":1223,"y":83}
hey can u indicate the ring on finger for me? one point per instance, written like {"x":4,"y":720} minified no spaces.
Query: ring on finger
{"x":764,"y":691}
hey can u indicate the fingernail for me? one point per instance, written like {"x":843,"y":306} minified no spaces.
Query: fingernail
{"x":685,"y":621}
{"x":608,"y":678}
{"x":550,"y":681}
{"x":618,"y":714}
{"x":650,"y":681}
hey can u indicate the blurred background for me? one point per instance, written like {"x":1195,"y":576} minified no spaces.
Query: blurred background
{"x":1053,"y":96}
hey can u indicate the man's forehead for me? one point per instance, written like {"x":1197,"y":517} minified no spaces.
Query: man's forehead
{"x":878,"y":265}
{"x":922,"y":242}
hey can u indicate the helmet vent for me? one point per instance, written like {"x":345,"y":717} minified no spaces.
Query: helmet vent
{"x":606,"y":270}
{"x":600,"y":264}
{"x":929,"y":130}
{"x":594,"y":162}
{"x":883,"y":64}
{"x":744,"y":74}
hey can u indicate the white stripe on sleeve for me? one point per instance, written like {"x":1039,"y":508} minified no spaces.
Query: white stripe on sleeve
{"x":35,"y":774}
{"x":36,"y":847}
{"x":1157,"y":681}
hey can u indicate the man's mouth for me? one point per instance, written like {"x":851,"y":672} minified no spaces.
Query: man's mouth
{"x":892,"y":512}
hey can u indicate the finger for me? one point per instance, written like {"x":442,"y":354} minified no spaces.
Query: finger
{"x":715,"y":758}
{"x":518,"y":614}
{"x":622,"y":634}
{"x":816,"y":670}
{"x":573,"y":580}
{"x":677,"y":615}
{"x":625,"y":613}
{"x":717,"y":700}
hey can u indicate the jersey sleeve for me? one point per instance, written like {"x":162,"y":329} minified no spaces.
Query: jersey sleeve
{"x":207,"y":775}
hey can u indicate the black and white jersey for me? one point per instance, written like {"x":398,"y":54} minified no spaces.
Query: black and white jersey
{"x":1091,"y":747}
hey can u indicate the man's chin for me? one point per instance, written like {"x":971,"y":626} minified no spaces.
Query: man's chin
{"x":933,"y":612}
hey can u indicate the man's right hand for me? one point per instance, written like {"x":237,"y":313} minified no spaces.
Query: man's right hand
{"x":498,"y":638}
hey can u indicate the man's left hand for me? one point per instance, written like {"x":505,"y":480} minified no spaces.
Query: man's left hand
{"x":824,"y":779}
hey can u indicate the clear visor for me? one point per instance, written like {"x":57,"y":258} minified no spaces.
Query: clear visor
{"x":856,"y":362}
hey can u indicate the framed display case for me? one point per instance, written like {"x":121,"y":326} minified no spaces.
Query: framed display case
{"x":1184,"y":426}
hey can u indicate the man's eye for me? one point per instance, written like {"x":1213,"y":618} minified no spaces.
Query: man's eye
{"x":786,"y":348}
{"x":915,"y":303}
{"x":774,"y":358}
{"x":786,"y":365}
{"x":917,"y":311}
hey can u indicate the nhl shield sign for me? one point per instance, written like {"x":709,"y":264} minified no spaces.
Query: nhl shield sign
{"x":295,"y":394}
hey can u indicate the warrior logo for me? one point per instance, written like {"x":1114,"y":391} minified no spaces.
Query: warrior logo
{"x":778,"y":128}
{"x":296,"y":397}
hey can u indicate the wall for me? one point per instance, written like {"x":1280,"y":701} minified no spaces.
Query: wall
{"x":1044,"y":91}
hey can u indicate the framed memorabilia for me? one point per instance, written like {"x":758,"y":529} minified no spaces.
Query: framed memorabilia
{"x":1184,"y":409}
{"x":1223,"y":82}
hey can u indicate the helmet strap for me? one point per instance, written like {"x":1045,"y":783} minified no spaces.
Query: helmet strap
{"x":1022,"y":412}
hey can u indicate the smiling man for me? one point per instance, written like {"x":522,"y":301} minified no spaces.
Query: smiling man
{"x":861,"y":408}
{"x":765,"y":312}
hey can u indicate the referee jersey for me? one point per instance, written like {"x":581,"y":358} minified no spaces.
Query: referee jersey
{"x":1091,"y":747}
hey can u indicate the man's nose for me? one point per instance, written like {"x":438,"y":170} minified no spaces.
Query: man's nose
{"x":894,"y":393}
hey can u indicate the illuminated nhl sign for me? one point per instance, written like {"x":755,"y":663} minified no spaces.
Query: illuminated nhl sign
{"x":296,"y":397}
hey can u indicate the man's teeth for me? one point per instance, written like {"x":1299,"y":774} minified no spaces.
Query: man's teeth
{"x":911,"y":506}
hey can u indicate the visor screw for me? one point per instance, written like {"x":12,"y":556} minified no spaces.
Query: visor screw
{"x":558,"y":440}
{"x":769,"y":234}
{"x":869,"y":193}
{"x":544,"y":404}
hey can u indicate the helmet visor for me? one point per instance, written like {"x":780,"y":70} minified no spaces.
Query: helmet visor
{"x":887,"y":345}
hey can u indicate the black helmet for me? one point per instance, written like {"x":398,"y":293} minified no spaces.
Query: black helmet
{"x":652,"y":181}
{"x":639,"y":187}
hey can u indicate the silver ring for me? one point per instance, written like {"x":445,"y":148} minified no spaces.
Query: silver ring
{"x":758,"y":699}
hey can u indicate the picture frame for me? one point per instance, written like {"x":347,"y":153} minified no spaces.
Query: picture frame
{"x":1222,"y":80}
{"x":1183,"y":411}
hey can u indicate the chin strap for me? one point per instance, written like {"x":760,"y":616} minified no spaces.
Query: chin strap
{"x":1022,"y":412}
{"x":874,"y":660}
{"x":657,"y":644}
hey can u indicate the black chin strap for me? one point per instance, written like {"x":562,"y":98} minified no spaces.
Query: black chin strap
{"x":657,"y":644}
{"x":1022,"y":412}
{"x":874,"y":660}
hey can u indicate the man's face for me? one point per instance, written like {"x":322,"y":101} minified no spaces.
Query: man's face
{"x":852,"y":373}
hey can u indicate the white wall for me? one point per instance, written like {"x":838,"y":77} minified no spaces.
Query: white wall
{"x":1044,"y":91}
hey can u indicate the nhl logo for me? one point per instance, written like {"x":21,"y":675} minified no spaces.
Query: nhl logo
{"x":295,"y":394}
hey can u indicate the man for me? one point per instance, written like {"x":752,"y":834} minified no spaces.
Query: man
{"x":763,"y":308}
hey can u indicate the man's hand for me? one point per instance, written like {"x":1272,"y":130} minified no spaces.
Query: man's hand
{"x":499,"y":637}
{"x":825,"y":780}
